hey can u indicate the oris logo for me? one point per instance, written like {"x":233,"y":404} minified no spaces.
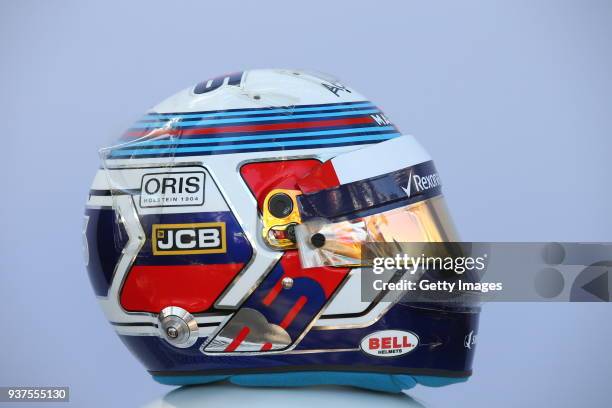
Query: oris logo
{"x":172,"y":189}
{"x":389,"y":343}
{"x":187,"y":239}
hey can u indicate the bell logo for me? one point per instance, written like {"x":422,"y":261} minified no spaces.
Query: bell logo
{"x":389,"y":343}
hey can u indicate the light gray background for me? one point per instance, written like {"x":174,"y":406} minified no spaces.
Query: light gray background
{"x":512,"y":98}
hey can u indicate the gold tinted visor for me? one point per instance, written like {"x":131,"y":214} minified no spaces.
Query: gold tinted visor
{"x":324,"y":243}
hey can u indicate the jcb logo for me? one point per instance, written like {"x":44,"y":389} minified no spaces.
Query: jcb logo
{"x":185,"y":239}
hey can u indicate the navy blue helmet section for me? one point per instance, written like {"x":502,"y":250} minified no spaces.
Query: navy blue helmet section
{"x":441,"y":350}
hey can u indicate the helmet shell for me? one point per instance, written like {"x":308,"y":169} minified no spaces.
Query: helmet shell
{"x":174,"y":248}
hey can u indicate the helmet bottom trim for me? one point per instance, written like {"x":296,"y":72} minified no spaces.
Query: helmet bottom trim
{"x":356,"y":368}
{"x":391,"y":383}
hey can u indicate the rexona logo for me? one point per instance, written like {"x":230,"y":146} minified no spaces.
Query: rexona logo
{"x":421,"y":183}
{"x":389,"y":343}
{"x":186,"y":239}
{"x":172,"y":189}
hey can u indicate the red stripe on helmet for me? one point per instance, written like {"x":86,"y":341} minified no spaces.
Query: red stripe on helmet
{"x":293,"y":312}
{"x":250,"y":128}
{"x":242,"y":334}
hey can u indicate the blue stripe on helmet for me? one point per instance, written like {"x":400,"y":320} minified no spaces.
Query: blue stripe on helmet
{"x":188,"y":141}
{"x":261,"y":111}
{"x":295,"y":144}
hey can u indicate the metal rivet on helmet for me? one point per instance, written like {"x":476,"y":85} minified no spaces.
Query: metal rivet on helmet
{"x":287,"y":283}
{"x":178,"y":327}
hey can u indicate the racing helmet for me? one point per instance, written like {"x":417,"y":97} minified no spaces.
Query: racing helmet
{"x":224,"y":234}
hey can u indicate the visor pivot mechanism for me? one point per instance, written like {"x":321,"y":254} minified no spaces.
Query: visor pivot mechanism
{"x":280,"y":216}
{"x":291,"y":232}
{"x":280,"y":205}
{"x":317,"y":240}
